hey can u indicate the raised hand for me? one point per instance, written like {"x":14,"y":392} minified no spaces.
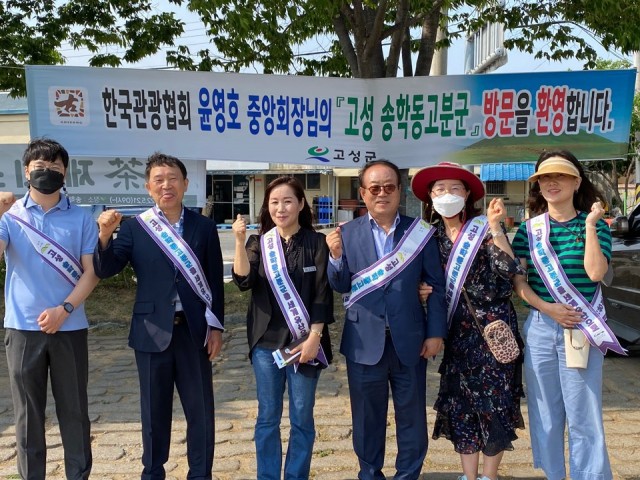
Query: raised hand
{"x":239,"y":228}
{"x":108,"y":221}
{"x":334,"y":242}
{"x":6,"y":200}
{"x":596,"y":213}
{"x":496,"y":212}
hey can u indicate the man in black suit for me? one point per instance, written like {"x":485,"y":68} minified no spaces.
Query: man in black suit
{"x":176,"y":327}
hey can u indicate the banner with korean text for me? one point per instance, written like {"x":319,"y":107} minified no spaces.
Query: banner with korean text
{"x":469,"y":119}
{"x":115,"y":181}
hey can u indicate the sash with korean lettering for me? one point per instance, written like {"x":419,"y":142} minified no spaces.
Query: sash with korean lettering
{"x":464,"y":250}
{"x":182,"y":257}
{"x":54,"y":254}
{"x":547,"y":264}
{"x":293,"y":310}
{"x":392,"y":264}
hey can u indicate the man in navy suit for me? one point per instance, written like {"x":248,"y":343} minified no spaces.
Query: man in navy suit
{"x":176,"y":327}
{"x":387,"y":334}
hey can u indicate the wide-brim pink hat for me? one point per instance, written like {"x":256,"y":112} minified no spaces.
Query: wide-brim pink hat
{"x":426,"y":176}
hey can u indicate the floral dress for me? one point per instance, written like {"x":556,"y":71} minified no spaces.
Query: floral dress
{"x":478,"y":404}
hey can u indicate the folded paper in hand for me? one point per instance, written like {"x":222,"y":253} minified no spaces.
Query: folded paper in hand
{"x":284,"y":357}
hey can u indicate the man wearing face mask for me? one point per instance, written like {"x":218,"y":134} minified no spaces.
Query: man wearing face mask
{"x":379,"y":259}
{"x":48,"y":246}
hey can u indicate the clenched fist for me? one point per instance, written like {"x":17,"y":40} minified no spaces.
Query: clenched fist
{"x":334,"y":241}
{"x":108,"y":221}
{"x":596,"y":213}
{"x":496,"y":213}
{"x":6,"y":200}
{"x":239,"y":228}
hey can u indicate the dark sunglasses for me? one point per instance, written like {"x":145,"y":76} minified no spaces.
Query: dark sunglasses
{"x":376,"y":189}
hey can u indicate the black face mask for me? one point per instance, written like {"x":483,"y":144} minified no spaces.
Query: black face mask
{"x":46,"y":181}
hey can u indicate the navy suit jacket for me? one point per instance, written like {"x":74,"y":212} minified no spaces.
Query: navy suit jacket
{"x":363,"y":338}
{"x":158,"y":280}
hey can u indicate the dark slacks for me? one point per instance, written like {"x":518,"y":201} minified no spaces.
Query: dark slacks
{"x":32,"y":357}
{"x":187,"y":367}
{"x":369,"y":392}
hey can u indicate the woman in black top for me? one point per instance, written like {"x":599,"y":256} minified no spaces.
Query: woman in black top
{"x":268,"y":329}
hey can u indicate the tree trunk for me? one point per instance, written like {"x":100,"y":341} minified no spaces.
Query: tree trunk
{"x":427,"y":44}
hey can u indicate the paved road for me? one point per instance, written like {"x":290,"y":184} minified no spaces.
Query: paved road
{"x":114,"y":410}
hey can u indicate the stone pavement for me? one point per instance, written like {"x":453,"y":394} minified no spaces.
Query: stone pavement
{"x":114,"y":411}
{"x":115,"y":414}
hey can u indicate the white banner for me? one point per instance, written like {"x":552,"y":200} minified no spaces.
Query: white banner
{"x":470,"y":119}
{"x":102,"y":181}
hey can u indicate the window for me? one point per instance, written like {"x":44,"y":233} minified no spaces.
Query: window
{"x":496,"y":187}
{"x":313,"y":181}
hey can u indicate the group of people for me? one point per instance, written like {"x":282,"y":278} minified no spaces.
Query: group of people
{"x":411,"y":288}
{"x":55,"y":255}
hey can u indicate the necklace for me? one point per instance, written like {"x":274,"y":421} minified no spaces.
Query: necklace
{"x":578,"y":235}
{"x":288,"y":242}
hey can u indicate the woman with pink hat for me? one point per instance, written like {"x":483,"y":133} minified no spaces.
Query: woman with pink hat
{"x":478,"y":405}
{"x":565,"y":248}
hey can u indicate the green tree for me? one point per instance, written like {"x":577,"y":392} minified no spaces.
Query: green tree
{"x":372,"y":38}
{"x":606,"y":174}
{"x":33,"y":32}
{"x":359,"y":38}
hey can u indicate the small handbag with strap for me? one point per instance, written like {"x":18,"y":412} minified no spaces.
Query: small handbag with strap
{"x":498,"y":335}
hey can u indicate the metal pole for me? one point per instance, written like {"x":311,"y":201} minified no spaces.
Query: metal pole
{"x":252,"y":199}
{"x":636,"y":63}
{"x":439,"y":62}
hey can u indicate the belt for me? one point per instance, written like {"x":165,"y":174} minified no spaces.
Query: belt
{"x":179,"y":318}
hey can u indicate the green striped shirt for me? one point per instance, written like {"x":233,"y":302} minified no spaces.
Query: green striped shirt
{"x":568,"y":242}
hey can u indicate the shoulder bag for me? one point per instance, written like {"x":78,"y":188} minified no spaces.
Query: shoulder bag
{"x":498,"y":335}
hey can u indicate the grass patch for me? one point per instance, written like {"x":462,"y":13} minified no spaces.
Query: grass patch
{"x":112,"y":300}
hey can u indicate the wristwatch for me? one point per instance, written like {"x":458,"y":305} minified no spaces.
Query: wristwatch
{"x":68,"y":307}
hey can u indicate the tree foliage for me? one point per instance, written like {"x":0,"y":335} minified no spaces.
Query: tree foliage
{"x":34,"y":31}
{"x":606,"y":174}
{"x":375,"y":38}
{"x":359,"y":38}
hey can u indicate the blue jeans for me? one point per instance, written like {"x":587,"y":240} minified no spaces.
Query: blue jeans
{"x":559,"y":396}
{"x":270,"y":383}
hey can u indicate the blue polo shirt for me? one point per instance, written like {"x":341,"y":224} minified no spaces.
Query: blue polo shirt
{"x":31,"y":285}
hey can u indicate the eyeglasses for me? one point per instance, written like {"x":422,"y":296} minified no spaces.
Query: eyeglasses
{"x":455,"y":190}
{"x":389,"y":188}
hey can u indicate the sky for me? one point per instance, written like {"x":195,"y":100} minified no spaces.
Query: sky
{"x":194,"y":36}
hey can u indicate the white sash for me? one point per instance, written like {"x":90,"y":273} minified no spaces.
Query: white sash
{"x":392,"y":264}
{"x":182,"y":257}
{"x":53,"y":254}
{"x":547,"y":264}
{"x":291,"y":305}
{"x":462,"y":254}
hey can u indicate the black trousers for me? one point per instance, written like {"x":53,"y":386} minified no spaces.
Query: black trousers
{"x":186,"y":367}
{"x":32,"y":357}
